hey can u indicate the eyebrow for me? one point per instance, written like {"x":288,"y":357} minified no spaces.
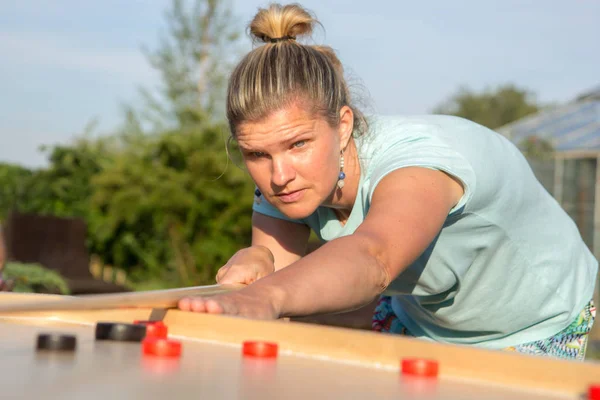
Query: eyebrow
{"x":296,"y":136}
{"x":291,"y":139}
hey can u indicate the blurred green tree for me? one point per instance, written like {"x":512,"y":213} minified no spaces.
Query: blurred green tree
{"x":492,"y":108}
{"x":61,"y":189}
{"x":194,"y":61}
{"x":171,"y":210}
{"x":13,"y":183}
{"x":160,"y":197}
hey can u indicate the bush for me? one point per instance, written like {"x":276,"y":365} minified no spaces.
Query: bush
{"x":33,"y":278}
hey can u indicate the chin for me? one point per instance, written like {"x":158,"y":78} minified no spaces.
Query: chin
{"x":296,"y":211}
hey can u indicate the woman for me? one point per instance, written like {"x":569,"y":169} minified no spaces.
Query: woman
{"x":441,"y":214}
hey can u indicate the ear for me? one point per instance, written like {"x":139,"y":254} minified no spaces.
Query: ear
{"x":346,"y":126}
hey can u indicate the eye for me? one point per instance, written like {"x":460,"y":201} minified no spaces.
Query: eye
{"x":257,"y":154}
{"x":300,"y":143}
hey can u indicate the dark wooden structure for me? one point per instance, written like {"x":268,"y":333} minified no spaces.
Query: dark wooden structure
{"x":55,"y":243}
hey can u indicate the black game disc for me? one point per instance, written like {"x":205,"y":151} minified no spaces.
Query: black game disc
{"x":56,"y":342}
{"x":120,"y":332}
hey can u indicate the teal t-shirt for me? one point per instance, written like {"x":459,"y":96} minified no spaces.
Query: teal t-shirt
{"x":509,"y":265}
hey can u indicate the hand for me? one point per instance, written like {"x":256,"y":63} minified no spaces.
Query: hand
{"x":247,"y":266}
{"x":243,"y":303}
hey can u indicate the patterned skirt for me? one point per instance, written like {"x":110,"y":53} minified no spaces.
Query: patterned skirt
{"x":570,"y":343}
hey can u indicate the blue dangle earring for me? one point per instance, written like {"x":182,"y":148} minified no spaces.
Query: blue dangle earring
{"x":257,"y":195}
{"x":342,"y":175}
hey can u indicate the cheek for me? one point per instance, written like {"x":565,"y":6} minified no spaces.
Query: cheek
{"x":322,"y":166}
{"x":259,"y":174}
{"x":330,"y":160}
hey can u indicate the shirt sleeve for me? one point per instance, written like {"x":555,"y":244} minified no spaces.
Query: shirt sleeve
{"x":428,"y":152}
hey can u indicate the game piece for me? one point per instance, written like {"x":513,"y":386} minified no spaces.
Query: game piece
{"x":161,"y":347}
{"x":419,"y":367}
{"x":56,"y":342}
{"x":259,"y":349}
{"x":154,"y":328}
{"x":120,"y":332}
{"x":594,"y":392}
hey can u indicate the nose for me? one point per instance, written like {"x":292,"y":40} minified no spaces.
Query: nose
{"x":283,"y":172}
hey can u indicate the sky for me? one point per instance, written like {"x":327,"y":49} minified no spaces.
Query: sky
{"x":64,"y":63}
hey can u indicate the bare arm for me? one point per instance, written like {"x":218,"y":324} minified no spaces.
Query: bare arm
{"x":276,"y":244}
{"x":408,"y":210}
{"x":286,"y":240}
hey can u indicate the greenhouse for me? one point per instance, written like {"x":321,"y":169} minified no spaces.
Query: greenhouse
{"x":569,"y":168}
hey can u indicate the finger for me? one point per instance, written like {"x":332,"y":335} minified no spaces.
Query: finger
{"x":213,"y":307}
{"x":198,"y":304}
{"x":185,"y":304}
{"x":237,"y":279}
{"x":222,"y":271}
{"x":237,"y":276}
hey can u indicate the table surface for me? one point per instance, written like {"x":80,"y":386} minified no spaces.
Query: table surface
{"x":206,"y":370}
{"x":315,"y":362}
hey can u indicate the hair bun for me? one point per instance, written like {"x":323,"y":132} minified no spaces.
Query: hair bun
{"x":279,"y":23}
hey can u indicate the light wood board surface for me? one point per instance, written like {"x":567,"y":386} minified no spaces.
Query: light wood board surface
{"x":320,"y":345}
{"x":116,"y":370}
{"x":168,"y":298}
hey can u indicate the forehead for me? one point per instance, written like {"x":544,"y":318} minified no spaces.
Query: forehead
{"x":278,"y":126}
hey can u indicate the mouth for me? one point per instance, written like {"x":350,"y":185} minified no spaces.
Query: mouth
{"x":288,"y":193}
{"x":290,"y":196}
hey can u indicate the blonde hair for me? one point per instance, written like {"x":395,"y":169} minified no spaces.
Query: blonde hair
{"x":284,"y":71}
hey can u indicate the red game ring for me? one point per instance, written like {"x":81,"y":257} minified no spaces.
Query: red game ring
{"x":594,"y":392}
{"x":259,"y":349}
{"x":154,"y":328}
{"x":161,"y":347}
{"x":420,"y":367}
